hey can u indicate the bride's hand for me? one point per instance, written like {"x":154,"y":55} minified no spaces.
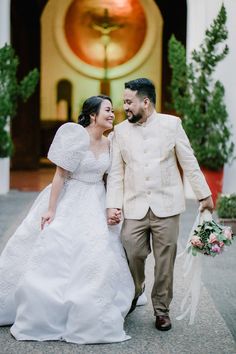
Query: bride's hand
{"x":47,"y":218}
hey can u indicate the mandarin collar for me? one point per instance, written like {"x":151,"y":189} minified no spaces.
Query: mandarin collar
{"x":149,"y":120}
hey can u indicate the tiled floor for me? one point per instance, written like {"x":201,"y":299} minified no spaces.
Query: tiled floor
{"x":34,"y":180}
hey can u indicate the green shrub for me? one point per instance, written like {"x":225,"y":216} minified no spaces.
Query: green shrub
{"x":10,"y":92}
{"x":199,"y":100}
{"x":226,"y":206}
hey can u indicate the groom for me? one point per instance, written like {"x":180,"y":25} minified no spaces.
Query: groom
{"x":145,"y":182}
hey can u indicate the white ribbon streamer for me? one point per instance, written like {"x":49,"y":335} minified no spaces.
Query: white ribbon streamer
{"x":193,"y":270}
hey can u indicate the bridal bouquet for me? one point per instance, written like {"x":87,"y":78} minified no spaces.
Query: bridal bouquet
{"x":207,"y":238}
{"x":210,"y":238}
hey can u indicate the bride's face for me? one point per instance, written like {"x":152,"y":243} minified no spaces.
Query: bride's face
{"x":105,"y":117}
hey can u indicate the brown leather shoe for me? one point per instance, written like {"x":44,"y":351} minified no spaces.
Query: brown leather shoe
{"x":163,"y":323}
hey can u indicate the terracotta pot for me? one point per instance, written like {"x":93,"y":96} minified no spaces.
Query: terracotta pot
{"x":214,"y":180}
{"x":229,"y":222}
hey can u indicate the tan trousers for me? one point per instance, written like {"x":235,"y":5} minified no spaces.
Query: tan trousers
{"x":135,"y":235}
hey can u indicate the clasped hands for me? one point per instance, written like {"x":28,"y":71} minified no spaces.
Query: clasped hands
{"x":113,"y":216}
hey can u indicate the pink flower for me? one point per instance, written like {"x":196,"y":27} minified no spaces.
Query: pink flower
{"x":195,"y":241}
{"x":221,"y":244}
{"x":212,"y":238}
{"x":228,"y":233}
{"x":215,"y":248}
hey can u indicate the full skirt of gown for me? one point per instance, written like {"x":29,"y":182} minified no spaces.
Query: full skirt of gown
{"x":70,"y":281}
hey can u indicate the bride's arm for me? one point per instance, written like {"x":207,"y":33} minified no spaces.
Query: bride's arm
{"x":57,"y":185}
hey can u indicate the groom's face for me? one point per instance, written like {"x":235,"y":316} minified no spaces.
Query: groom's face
{"x":133,"y":106}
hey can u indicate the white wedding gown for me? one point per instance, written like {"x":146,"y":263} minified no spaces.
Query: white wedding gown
{"x":70,"y":281}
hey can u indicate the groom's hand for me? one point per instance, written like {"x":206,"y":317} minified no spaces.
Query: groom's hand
{"x":113,"y":216}
{"x":207,"y":203}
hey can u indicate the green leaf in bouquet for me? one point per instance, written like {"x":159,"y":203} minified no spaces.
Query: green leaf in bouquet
{"x":222,"y":238}
{"x":213,"y":254}
{"x":227,"y":242}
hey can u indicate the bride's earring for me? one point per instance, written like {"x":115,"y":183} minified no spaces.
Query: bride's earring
{"x":92,"y":119}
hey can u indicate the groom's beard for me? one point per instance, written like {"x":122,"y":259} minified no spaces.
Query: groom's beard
{"x":134,"y":118}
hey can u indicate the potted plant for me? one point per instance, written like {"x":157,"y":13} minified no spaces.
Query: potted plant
{"x":10,"y":92}
{"x":199,"y":100}
{"x":226,"y":210}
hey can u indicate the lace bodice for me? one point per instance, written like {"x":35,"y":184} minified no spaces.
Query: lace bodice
{"x":91,"y":169}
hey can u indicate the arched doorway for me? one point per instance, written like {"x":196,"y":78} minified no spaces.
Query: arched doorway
{"x":64,"y":99}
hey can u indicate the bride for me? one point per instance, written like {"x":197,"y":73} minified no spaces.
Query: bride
{"x":64,"y":274}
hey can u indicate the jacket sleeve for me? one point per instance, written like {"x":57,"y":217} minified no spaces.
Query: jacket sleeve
{"x":115,"y":181}
{"x":189,"y":164}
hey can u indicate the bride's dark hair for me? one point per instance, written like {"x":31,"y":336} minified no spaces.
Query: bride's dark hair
{"x":91,"y":106}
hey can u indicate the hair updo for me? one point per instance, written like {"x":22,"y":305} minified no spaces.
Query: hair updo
{"x":91,"y":106}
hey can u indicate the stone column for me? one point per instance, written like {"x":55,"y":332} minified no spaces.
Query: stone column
{"x":4,"y":38}
{"x":4,"y":22}
{"x":200,"y":15}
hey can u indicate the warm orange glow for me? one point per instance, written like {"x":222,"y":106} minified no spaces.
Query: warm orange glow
{"x":126,"y":36}
{"x":30,"y":181}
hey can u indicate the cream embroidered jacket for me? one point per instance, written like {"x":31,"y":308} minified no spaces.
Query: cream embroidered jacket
{"x":144,"y":171}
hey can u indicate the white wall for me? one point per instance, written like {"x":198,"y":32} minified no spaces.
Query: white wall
{"x":4,"y":22}
{"x":4,"y":38}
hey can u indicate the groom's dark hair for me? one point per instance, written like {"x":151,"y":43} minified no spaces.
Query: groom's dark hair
{"x":144,"y":88}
